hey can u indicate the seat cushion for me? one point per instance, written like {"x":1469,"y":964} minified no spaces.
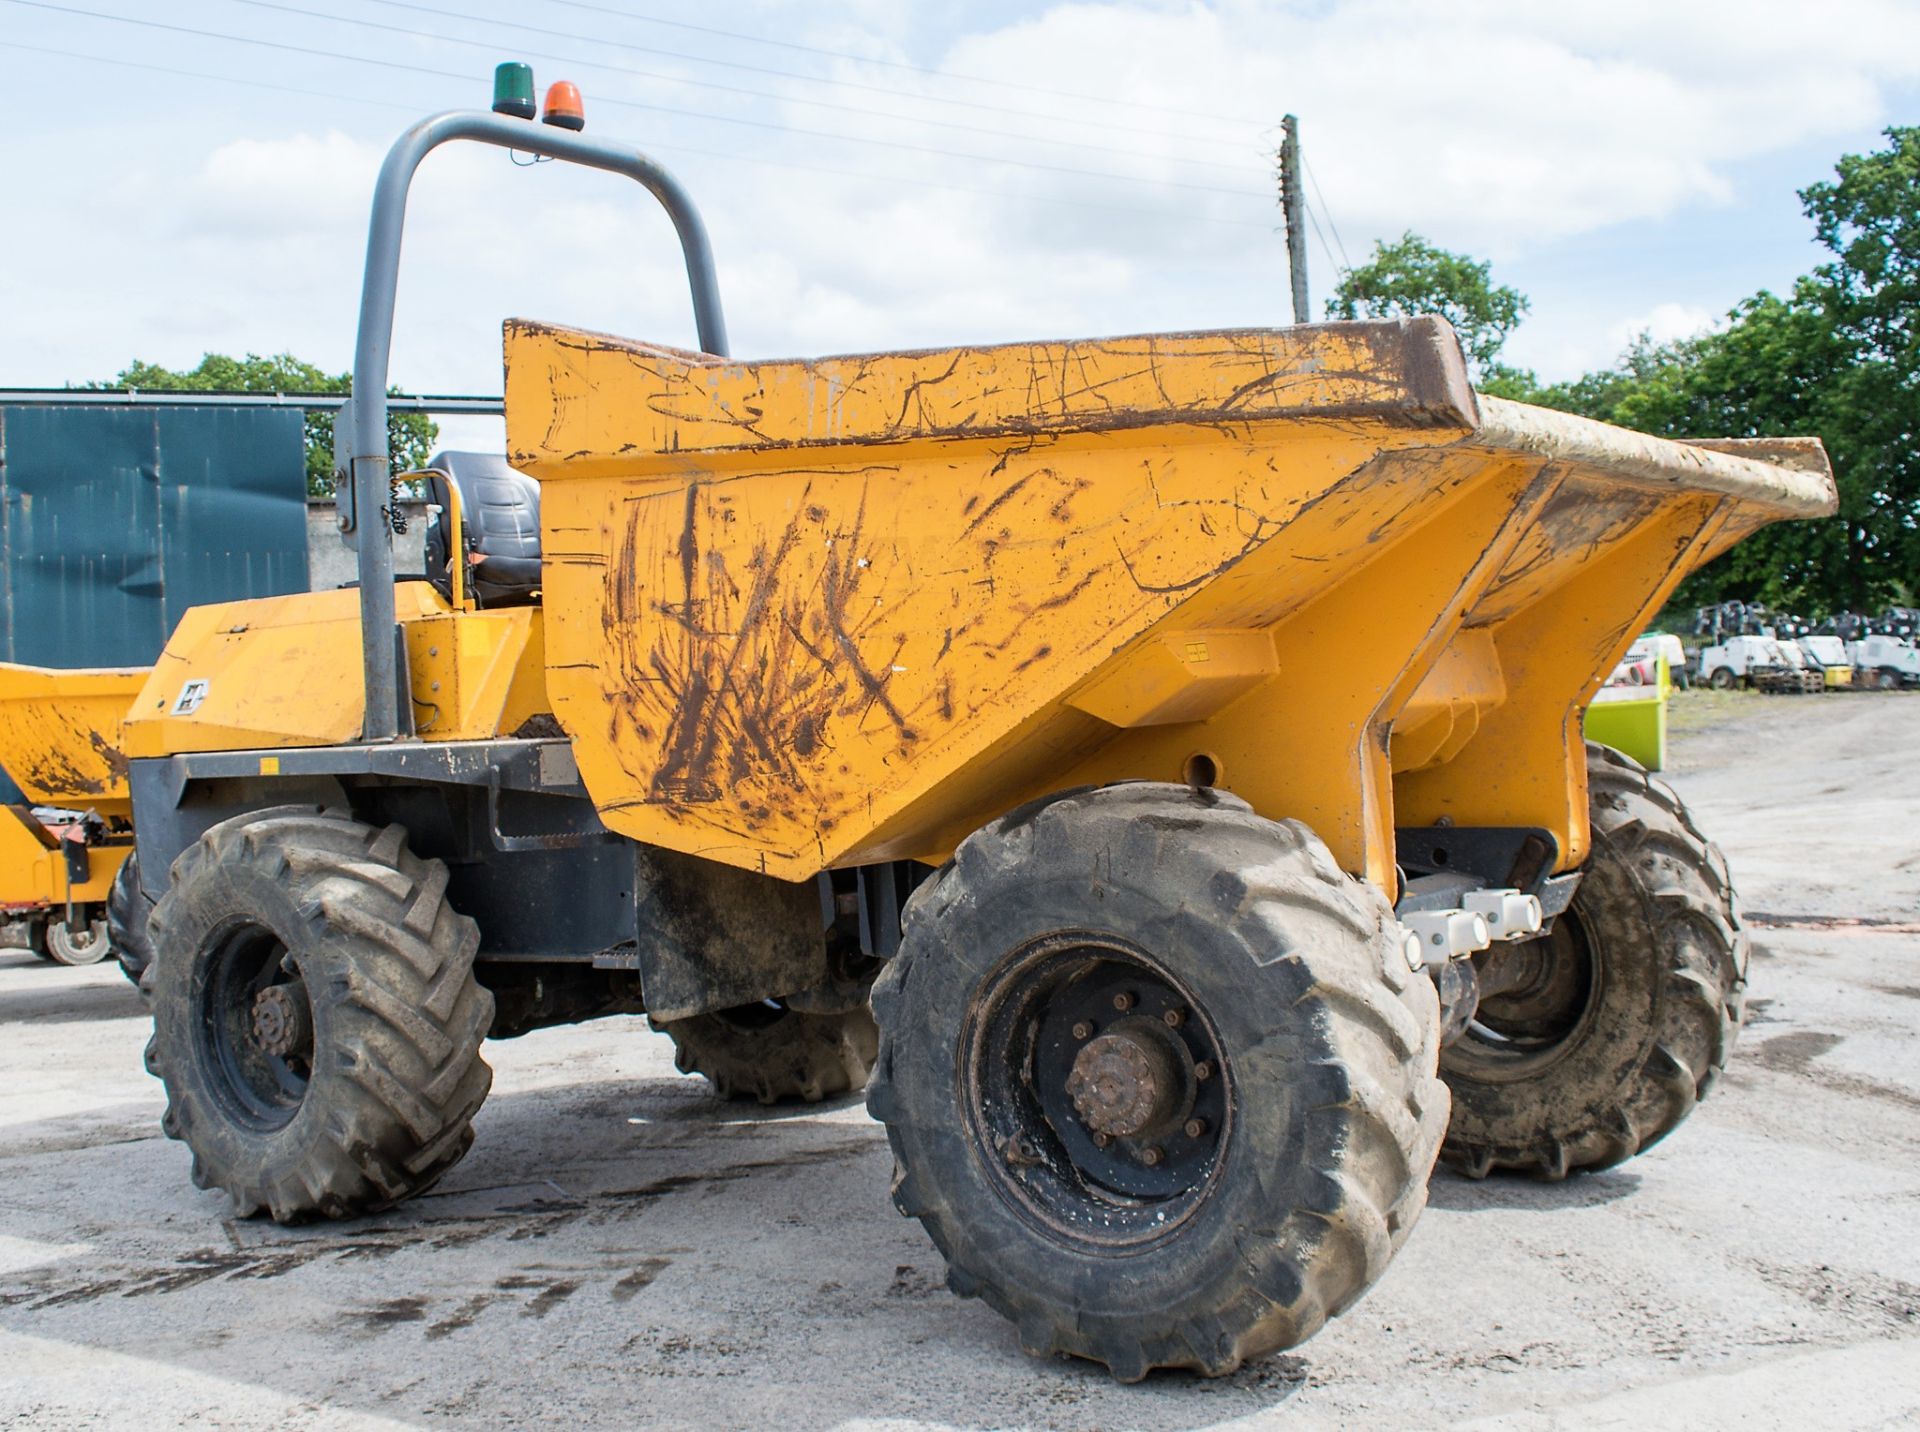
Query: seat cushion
{"x":500,"y":515}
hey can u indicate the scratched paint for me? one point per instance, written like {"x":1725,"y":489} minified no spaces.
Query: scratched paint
{"x":802,"y":614}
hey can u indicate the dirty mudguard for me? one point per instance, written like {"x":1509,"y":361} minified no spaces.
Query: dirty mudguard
{"x":711,"y":936}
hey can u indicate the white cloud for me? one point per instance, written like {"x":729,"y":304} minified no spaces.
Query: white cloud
{"x":1495,"y":126}
{"x":1663,"y":323}
{"x":1499,"y":123}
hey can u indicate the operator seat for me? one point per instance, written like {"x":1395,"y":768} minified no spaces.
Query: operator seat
{"x":500,"y":521}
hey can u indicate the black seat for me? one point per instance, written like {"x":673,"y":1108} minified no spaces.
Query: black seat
{"x":500,"y":521}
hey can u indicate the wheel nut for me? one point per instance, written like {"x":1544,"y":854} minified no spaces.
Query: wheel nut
{"x":1195,"y":1128}
{"x":1203,"y":1071}
{"x":1100,"y":1141}
{"x":1150,"y":1156}
{"x":1174,"y":1018}
{"x":1123,"y":1002}
{"x":1083,"y":1030}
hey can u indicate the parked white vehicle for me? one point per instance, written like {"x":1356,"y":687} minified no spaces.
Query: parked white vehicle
{"x":1636,"y":668}
{"x":1830,"y":656}
{"x":1666,"y":644}
{"x":1886,"y":662}
{"x":1641,"y":665}
{"x":1738,"y":659}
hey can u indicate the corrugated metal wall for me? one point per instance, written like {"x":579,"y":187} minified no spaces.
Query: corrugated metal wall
{"x":113,"y":521}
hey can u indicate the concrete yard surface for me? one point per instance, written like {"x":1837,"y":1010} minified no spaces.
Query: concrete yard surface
{"x":621,"y":1249}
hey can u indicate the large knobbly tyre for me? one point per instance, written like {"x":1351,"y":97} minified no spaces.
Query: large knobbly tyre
{"x":1157,"y":1078}
{"x":316,"y":1018}
{"x":775,"y":1054}
{"x":1629,"y":1008}
{"x":127,"y":910}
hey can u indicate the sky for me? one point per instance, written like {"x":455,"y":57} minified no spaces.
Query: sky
{"x":193,"y":175}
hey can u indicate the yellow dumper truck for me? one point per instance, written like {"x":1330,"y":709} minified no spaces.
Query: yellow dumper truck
{"x":63,"y":848}
{"x":1173,"y":743}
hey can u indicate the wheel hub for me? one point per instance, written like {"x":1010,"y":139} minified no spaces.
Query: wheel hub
{"x":1124,"y":1083}
{"x":282,"y":1026}
{"x":1100,"y":1087}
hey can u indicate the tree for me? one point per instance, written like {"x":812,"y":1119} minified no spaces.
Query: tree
{"x":410,"y":436}
{"x":1411,"y":276}
{"x":1765,"y":374}
{"x":1868,"y":217}
{"x":1838,"y":358}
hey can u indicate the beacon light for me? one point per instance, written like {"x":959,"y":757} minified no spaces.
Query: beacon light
{"x":563,"y":106}
{"x":513,"y":89}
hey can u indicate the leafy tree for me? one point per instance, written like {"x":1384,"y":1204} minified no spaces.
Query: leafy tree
{"x":1411,"y":276}
{"x":1838,"y":358}
{"x":1869,"y":218}
{"x":410,"y":436}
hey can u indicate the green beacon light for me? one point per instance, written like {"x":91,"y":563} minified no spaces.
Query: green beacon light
{"x":513,"y":89}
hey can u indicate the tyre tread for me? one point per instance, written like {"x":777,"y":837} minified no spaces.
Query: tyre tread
{"x":1372,"y":1141}
{"x":1686,"y":882}
{"x":410,"y":1015}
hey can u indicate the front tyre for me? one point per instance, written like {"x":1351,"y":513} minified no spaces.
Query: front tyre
{"x":1157,"y":1079}
{"x":1607,"y":1032}
{"x":316,"y":1019}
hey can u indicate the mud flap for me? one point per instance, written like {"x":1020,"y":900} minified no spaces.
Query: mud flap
{"x":712,"y":936}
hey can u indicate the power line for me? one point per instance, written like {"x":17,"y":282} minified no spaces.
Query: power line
{"x":1111,"y":125}
{"x":1332,"y":262}
{"x":1035,"y":165}
{"x":669,"y":148}
{"x":904,"y":65}
{"x":199,"y":75}
{"x":571,"y":62}
{"x":1307,"y":164}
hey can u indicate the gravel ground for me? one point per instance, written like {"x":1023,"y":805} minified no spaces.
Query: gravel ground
{"x":621,"y":1249}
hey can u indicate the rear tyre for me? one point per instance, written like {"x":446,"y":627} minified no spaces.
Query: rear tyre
{"x":774,"y":1054}
{"x":1722,"y":679}
{"x":82,"y":941}
{"x":1633,"y":1004}
{"x":1887,"y":679}
{"x":1156,"y":1076}
{"x":128,"y":910}
{"x":316,"y":1019}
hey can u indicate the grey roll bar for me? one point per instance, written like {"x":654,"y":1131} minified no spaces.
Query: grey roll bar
{"x":388,"y":713}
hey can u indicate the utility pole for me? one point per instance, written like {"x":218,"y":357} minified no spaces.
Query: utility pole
{"x":1293,"y":203}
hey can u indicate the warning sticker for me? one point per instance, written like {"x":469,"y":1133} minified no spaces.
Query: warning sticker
{"x":190,"y":697}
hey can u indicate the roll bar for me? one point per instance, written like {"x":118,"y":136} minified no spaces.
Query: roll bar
{"x":389,"y":712}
